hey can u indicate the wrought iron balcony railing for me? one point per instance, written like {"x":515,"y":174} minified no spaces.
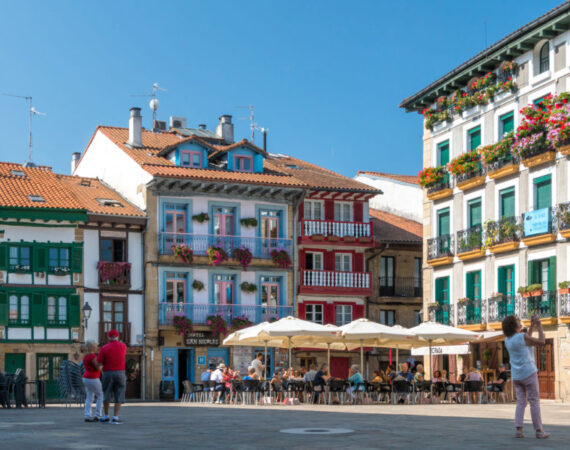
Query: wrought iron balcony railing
{"x":400,"y":287}
{"x":114,"y":275}
{"x":441,"y":314}
{"x":470,"y":239}
{"x":439,"y":247}
{"x":500,"y":307}
{"x":470,"y":313}
{"x":507,"y":229}
{"x":543,"y":305}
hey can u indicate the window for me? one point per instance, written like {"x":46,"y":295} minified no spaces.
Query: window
{"x":270,"y":221}
{"x":243,"y":163}
{"x":20,"y":259}
{"x":224,"y":219}
{"x":442,"y":290}
{"x":114,"y":313}
{"x":19,"y":312}
{"x":543,"y":272}
{"x":109,"y":202}
{"x":36,"y":198}
{"x":314,"y":210}
{"x":473,"y":285}
{"x":506,"y":124}
{"x":112,"y":250}
{"x":18,"y":173}
{"x":175,"y":287}
{"x":417,"y":317}
{"x":58,"y":260}
{"x":474,"y":138}
{"x":443,"y":153}
{"x":443,"y":222}
{"x":313,"y":261}
{"x":507,"y":202}
{"x":387,"y":317}
{"x":474,"y":212}
{"x":57,"y":310}
{"x":387,"y":276}
{"x":542,"y":192}
{"x":270,"y":292}
{"x":544,"y":58}
{"x":224,"y":289}
{"x":417,"y":277}
{"x":190,"y":158}
{"x":314,"y":313}
{"x":506,"y":280}
{"x":343,"y":211}
{"x":343,"y":315}
{"x":343,"y":262}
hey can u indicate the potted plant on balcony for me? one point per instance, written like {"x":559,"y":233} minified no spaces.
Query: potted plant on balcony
{"x":240,"y":322}
{"x":463,"y":301}
{"x":466,"y":166}
{"x":201,"y":218}
{"x":248,"y":287}
{"x":184,"y":252}
{"x":471,"y":242}
{"x":532,"y":290}
{"x":349,"y":238}
{"x":433,"y":305}
{"x":496,"y":296}
{"x":249,"y":222}
{"x":281,"y":258}
{"x":243,"y":256}
{"x":216,"y":255}
{"x":564,"y":287}
{"x":432,"y":176}
{"x":217,"y":324}
{"x":530,"y":142}
{"x":333,"y":238}
{"x":318,"y":237}
{"x":495,"y":156}
{"x":182,"y":325}
{"x":197,"y":285}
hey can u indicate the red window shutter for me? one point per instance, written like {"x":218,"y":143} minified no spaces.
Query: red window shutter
{"x":301,"y":310}
{"x":357,"y":312}
{"x":302,"y":260}
{"x":359,"y":262}
{"x":329,"y":209}
{"x":329,"y":261}
{"x":358,"y":211}
{"x":301,"y":211}
{"x":329,"y":313}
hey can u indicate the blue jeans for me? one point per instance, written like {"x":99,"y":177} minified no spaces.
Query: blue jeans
{"x":93,"y":388}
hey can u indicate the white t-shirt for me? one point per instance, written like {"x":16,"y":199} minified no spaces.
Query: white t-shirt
{"x":257,"y":365}
{"x":217,"y":376}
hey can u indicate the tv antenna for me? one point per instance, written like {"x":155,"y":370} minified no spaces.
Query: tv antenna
{"x":33,"y":112}
{"x":154,"y":103}
{"x":252,"y":124}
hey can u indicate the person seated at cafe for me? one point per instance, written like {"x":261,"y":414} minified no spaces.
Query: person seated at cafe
{"x":356,"y":381}
{"x":474,"y":375}
{"x":310,"y":375}
{"x":377,"y":377}
{"x":419,"y":376}
{"x":220,"y":389}
{"x":438,"y":377}
{"x":499,"y":384}
{"x":297,"y":376}
{"x":464,"y":374}
{"x":406,"y":373}
{"x":277,"y":385}
{"x":321,"y":379}
{"x":251,"y":375}
{"x":390,"y":373}
{"x":207,"y":373}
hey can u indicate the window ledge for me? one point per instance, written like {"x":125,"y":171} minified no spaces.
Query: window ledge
{"x":540,"y":78}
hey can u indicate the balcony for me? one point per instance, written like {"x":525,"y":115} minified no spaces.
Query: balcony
{"x":199,"y":243}
{"x":500,"y":307}
{"x":441,"y":314}
{"x":440,"y":190}
{"x":539,"y":226}
{"x":124,"y":329}
{"x":323,"y":281}
{"x":539,"y":157}
{"x":440,"y":250}
{"x":335,"y":231}
{"x":470,"y":312}
{"x":542,"y":305}
{"x":564,"y":306}
{"x":503,"y":235}
{"x":563,"y":219}
{"x":502,"y":168}
{"x":114,"y":275}
{"x":400,"y":287}
{"x":469,"y":243}
{"x":199,"y":313}
{"x":470,"y":180}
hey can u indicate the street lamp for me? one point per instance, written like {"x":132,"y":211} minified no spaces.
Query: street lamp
{"x":86,"y":313}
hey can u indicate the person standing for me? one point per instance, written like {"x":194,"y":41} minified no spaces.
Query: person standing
{"x":524,"y":371}
{"x":112,"y":357}
{"x":92,"y":383}
{"x":258,"y":365}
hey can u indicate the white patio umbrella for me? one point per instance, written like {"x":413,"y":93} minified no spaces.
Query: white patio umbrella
{"x":436,"y":333}
{"x":372,"y":334}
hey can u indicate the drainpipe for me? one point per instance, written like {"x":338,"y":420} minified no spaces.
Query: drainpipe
{"x":295,"y":254}
{"x":144,"y":315}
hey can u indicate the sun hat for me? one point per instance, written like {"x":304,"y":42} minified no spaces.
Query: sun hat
{"x":113,"y":334}
{"x":221,"y":366}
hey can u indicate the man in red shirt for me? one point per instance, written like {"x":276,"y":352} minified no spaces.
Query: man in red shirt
{"x":112,"y":357}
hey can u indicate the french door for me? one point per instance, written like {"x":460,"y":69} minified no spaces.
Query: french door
{"x":224,"y":296}
{"x":47,"y":369}
{"x":114,"y":318}
{"x":174,"y":228}
{"x":545,"y":363}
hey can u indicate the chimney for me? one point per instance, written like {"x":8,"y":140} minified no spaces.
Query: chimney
{"x":202,"y":126}
{"x":225,"y":129}
{"x":135,"y":128}
{"x":74,"y":160}
{"x":264,"y":132}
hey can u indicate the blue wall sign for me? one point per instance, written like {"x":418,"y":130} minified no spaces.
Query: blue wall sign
{"x":201,"y":360}
{"x":537,"y":222}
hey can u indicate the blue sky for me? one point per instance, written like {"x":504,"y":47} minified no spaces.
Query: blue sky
{"x":325,"y":77}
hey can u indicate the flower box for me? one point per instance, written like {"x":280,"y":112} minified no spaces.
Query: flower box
{"x":471,"y":183}
{"x":437,"y":195}
{"x":565,"y":150}
{"x":540,"y":159}
{"x":364,"y":239}
{"x":472,"y":254}
{"x":505,"y":171}
{"x":318,"y":237}
{"x":349,"y":238}
{"x":565,"y":233}
{"x":444,"y":260}
{"x":539,"y":240}
{"x":333,"y":238}
{"x":504,"y":247}
{"x":564,"y":291}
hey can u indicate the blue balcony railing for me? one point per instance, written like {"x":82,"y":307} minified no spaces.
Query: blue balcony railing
{"x":199,"y":243}
{"x":199,"y":313}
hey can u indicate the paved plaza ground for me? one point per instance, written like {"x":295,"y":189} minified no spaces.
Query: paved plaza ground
{"x":168,"y":425}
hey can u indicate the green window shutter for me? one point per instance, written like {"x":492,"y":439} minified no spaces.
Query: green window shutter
{"x":3,"y":308}
{"x":469,"y":287}
{"x":507,"y":202}
{"x":552,"y":274}
{"x":40,"y":259}
{"x":443,"y":222}
{"x":438,"y":289}
{"x":543,"y":192}
{"x":74,"y":317}
{"x":474,"y":212}
{"x":502,"y":281}
{"x":77,"y":258}
{"x":474,"y":138}
{"x":507,"y":123}
{"x":39,"y":312}
{"x":531,"y":273}
{"x":3,"y":257}
{"x":443,"y":153}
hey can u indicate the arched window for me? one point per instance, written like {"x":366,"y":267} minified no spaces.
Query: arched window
{"x":544,"y":58}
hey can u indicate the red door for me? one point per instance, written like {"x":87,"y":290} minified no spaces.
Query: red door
{"x":339,"y":367}
{"x":545,"y":364}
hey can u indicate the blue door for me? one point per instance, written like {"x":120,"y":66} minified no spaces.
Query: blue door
{"x":170,"y":367}
{"x":268,"y":363}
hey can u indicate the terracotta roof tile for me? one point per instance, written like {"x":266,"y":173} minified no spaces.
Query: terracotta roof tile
{"x":405,"y":178}
{"x":392,"y":228}
{"x":91,"y":193}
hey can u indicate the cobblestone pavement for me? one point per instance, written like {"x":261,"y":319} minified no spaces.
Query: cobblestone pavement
{"x":168,"y":425}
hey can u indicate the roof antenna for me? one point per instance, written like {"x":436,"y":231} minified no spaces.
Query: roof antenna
{"x":154,"y":103}
{"x":254,"y":126}
{"x":33,"y":111}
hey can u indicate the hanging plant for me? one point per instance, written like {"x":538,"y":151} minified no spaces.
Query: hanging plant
{"x":182,"y":325}
{"x":243,"y":256}
{"x":281,"y":258}
{"x":197,"y":285}
{"x":240,"y":322}
{"x":432,"y":176}
{"x":217,"y":324}
{"x":248,"y":287}
{"x":216,"y":255}
{"x":184,"y":252}
{"x":249,"y":222}
{"x":201,"y":218}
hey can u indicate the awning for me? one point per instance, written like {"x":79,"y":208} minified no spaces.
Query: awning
{"x":490,"y":336}
{"x":442,"y":350}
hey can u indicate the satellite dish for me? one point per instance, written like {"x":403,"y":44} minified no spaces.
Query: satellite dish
{"x":154,"y":104}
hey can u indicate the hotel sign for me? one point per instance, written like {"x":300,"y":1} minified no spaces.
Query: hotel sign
{"x":537,"y":222}
{"x":199,"y":339}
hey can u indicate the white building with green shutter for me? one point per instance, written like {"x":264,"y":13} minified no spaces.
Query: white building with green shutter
{"x":496,"y":221}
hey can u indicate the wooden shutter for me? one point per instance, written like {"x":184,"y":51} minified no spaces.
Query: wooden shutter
{"x":74,"y":317}
{"x":358,"y":213}
{"x":438,"y":289}
{"x":38,"y":309}
{"x":507,"y":123}
{"x":552,"y":274}
{"x":357,"y":312}
{"x":3,"y":308}
{"x":474,"y":212}
{"x":474,"y":138}
{"x":358,"y":262}
{"x":3,"y":257}
{"x":329,"y":209}
{"x":40,"y":258}
{"x":301,"y":310}
{"x":443,"y":153}
{"x":77,"y":258}
{"x":443,"y":222}
{"x":507,"y":199}
{"x":469,"y":286}
{"x":543,"y":192}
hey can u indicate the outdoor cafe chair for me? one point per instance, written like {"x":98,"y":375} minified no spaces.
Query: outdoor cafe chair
{"x":187,"y":394}
{"x":421,"y":388}
{"x":473,"y":387}
{"x":198,"y":393}
{"x":250,"y":391}
{"x":402,"y":389}
{"x":317,"y":392}
{"x":337,"y":387}
{"x":265,"y":390}
{"x":237,"y":391}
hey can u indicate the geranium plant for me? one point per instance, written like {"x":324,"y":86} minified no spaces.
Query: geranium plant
{"x":248,"y":287}
{"x":240,"y":322}
{"x":464,"y":300}
{"x":197,"y":285}
{"x":216,"y":255}
{"x":184,"y":252}
{"x":500,"y":151}
{"x":432,"y":176}
{"x":467,"y":163}
{"x":201,"y":218}
{"x":182,"y":325}
{"x":281,"y":258}
{"x":243,"y":256}
{"x":217,"y":324}
{"x":249,"y":222}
